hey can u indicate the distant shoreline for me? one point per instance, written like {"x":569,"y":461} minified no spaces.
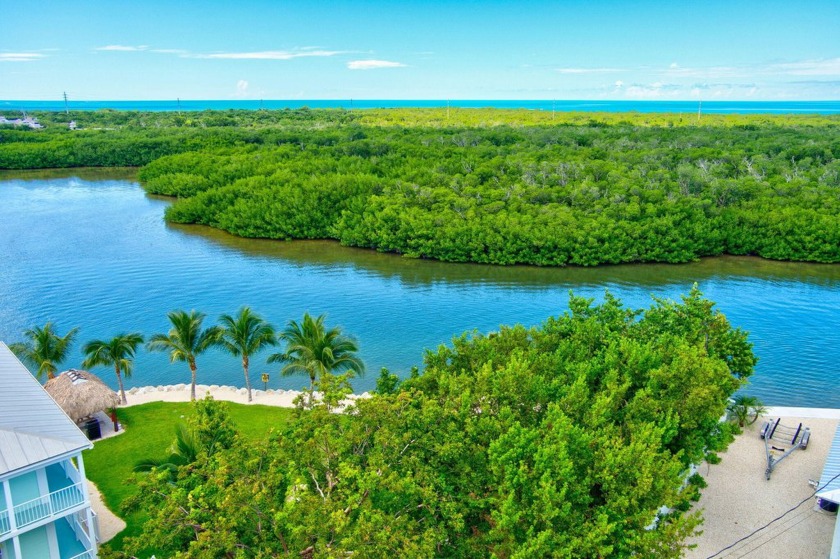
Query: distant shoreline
{"x":825,"y":107}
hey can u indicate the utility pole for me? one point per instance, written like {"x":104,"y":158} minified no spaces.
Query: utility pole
{"x":179,"y":105}
{"x":66,"y":110}
{"x":699,"y":109}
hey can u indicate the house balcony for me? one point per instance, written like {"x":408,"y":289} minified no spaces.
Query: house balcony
{"x":74,"y":537}
{"x":60,"y":490}
{"x":50,"y":505}
{"x":5,"y":525}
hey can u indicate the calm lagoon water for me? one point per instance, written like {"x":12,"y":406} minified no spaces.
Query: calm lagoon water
{"x":91,"y":249}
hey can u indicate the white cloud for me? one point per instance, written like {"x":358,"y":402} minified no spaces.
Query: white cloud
{"x":241,"y":88}
{"x":253,"y":55}
{"x":619,"y":83}
{"x":823,"y":67}
{"x":123,"y":48}
{"x":709,"y":72}
{"x":639,"y":91}
{"x":587,"y":70}
{"x":270,"y":54}
{"x":373,"y":64}
{"x":180,"y":52}
{"x":20,"y":56}
{"x":659,"y":90}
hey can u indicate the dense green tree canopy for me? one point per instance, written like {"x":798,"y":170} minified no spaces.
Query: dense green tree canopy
{"x":501,"y":187}
{"x":547,"y":196}
{"x":563,"y":440}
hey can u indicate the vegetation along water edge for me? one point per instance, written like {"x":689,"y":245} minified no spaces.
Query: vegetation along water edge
{"x":513,"y":444}
{"x":478,"y":185}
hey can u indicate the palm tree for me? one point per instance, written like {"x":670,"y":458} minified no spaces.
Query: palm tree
{"x":245,"y":335}
{"x":184,"y":451}
{"x":119,"y":351}
{"x":313,"y":350}
{"x":745,"y":409}
{"x":185,"y":340}
{"x":44,"y":349}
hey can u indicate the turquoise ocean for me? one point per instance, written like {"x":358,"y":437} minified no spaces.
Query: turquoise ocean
{"x":708,"y":107}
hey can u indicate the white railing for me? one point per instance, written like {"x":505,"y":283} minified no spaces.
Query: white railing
{"x":5,"y":525}
{"x":79,"y":524}
{"x":43,"y":507}
{"x":84,"y":555}
{"x":70,"y":471}
{"x":95,"y":526}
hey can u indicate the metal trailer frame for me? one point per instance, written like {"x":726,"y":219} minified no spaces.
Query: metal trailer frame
{"x":774,"y":431}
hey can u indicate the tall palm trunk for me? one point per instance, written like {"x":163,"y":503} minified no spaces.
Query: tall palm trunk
{"x":247,"y":380}
{"x":119,"y":380}
{"x":192,"y":386}
{"x":311,"y":387}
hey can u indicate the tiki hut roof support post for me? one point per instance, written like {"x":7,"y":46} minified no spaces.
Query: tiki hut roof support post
{"x":112,"y":413}
{"x":81,"y":394}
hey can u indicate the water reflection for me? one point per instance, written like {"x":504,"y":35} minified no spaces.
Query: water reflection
{"x":414,"y":272}
{"x":88,"y":248}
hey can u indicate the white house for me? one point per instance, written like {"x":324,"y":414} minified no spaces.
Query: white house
{"x":44,"y":503}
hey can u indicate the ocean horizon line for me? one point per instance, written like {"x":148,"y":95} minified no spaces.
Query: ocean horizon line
{"x":566,"y":105}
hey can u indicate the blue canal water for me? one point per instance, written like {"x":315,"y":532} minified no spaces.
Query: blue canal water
{"x":92,"y":250}
{"x":709,"y":107}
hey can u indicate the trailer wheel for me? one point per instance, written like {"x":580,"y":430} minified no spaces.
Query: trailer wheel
{"x":764,"y":428}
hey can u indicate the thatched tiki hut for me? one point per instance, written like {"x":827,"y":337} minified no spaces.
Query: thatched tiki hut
{"x":81,"y":394}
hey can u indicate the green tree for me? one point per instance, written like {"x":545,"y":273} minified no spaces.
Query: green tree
{"x":313,"y":350}
{"x":119,"y":351}
{"x":563,"y":440}
{"x":44,"y":349}
{"x":208,"y":430}
{"x":387,"y":382}
{"x":245,"y":335}
{"x":186,"y":340}
{"x":183,"y":451}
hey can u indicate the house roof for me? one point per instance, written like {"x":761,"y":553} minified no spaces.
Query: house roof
{"x":33,"y":428}
{"x":81,"y":394}
{"x":829,"y":487}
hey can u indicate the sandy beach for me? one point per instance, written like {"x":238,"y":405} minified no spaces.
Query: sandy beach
{"x":181,"y":393}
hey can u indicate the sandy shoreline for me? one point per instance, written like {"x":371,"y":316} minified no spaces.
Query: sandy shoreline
{"x":181,"y":393}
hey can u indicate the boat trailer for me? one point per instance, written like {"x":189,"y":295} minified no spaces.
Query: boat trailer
{"x":774,"y":433}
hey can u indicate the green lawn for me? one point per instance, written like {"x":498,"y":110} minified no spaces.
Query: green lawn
{"x":150,"y":430}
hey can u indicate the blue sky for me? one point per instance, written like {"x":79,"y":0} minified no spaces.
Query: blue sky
{"x":151,"y":49}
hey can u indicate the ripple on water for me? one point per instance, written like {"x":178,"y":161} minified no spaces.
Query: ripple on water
{"x":97,"y":254}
